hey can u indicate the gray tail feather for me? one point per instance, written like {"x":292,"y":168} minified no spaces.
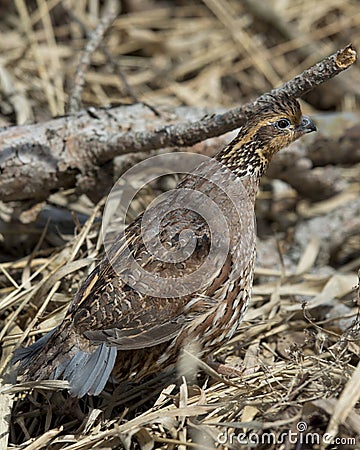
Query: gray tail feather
{"x":87,"y":373}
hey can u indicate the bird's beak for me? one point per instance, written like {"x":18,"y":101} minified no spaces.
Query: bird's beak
{"x":307,"y":125}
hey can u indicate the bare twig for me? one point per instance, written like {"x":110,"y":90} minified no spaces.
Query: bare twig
{"x":95,"y":38}
{"x":39,"y":159}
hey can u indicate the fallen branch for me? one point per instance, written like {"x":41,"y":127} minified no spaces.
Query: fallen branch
{"x":37,"y":160}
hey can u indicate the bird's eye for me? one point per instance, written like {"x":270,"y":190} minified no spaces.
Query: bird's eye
{"x":305,"y":121}
{"x":283,"y":123}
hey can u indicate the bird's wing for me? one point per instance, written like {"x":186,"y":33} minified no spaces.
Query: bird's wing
{"x":117,"y":306}
{"x":134,"y":339}
{"x":109,"y":310}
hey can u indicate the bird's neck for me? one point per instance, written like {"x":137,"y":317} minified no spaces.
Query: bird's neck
{"x":244,"y":156}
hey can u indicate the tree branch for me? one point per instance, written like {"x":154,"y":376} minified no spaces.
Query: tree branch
{"x":188,"y":134}
{"x":38,"y":159}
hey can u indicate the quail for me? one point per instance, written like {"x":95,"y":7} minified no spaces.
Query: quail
{"x":128,"y":325}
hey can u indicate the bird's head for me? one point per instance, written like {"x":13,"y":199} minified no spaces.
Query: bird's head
{"x":274,"y":123}
{"x":278,"y":122}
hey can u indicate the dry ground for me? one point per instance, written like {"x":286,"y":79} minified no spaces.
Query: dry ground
{"x":299,"y":348}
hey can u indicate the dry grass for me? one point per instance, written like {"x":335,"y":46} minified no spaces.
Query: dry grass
{"x":298,"y":350}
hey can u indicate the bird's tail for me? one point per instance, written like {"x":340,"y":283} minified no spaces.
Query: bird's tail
{"x":86,"y":372}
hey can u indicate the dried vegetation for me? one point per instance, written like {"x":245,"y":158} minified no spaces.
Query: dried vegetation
{"x":299,"y":346}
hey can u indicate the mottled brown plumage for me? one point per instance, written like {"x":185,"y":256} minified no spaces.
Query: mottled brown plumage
{"x":117,"y":325}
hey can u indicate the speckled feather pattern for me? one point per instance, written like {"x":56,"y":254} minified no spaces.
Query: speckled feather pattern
{"x":113,"y":328}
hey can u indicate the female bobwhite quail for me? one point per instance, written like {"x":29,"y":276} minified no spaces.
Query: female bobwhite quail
{"x":122,"y":324}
